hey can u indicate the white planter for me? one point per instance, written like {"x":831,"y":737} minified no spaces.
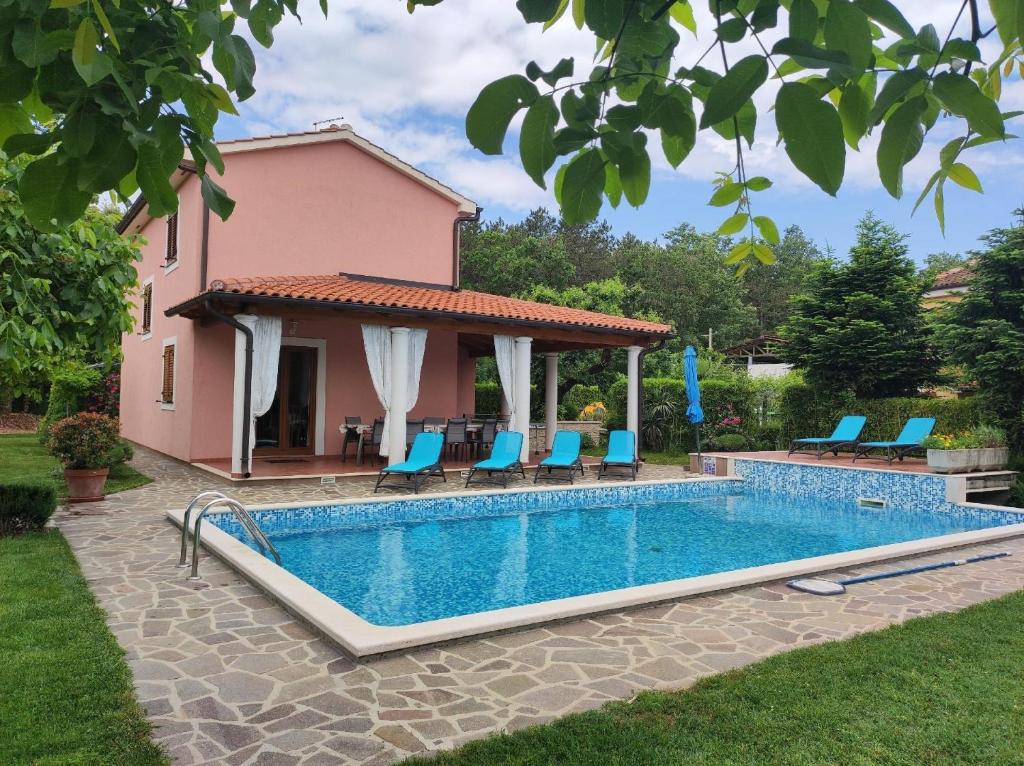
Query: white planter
{"x":965,"y":460}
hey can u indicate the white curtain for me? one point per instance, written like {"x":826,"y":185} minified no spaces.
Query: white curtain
{"x":377,"y":343}
{"x":505,"y":356}
{"x":266,"y":351}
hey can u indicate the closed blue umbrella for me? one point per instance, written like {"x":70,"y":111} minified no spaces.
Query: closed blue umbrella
{"x":694,"y":412}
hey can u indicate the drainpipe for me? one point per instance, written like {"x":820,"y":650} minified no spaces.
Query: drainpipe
{"x":204,"y":248}
{"x":640,"y":393}
{"x":247,"y":400}
{"x":465,"y":218}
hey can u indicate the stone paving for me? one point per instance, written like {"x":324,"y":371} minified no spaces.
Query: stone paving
{"x":227,"y":676}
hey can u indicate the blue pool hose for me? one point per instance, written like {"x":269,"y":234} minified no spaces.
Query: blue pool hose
{"x":808,"y":585}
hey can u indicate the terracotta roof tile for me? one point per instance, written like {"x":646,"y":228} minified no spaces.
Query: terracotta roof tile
{"x":382,"y":294}
{"x":956,"y":277}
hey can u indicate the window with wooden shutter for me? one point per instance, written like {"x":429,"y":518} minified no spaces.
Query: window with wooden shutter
{"x":167,"y":389}
{"x":172,"y":238}
{"x":147,"y":307}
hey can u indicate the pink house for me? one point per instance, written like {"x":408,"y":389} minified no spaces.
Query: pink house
{"x":332,"y":289}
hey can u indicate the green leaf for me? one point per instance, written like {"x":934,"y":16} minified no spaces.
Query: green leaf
{"x":886,"y":14}
{"x":854,"y":105}
{"x":938,"y":175}
{"x":758,"y":183}
{"x":215,"y":197}
{"x":563,"y":5}
{"x":682,"y":14}
{"x":537,"y":10}
{"x":111,"y":158}
{"x":28,"y":143}
{"x":16,"y":81}
{"x":813,"y":135}
{"x":675,"y":148}
{"x":961,"y":96}
{"x":91,"y":65}
{"x":234,"y":59}
{"x":762,"y":252}
{"x":732,"y":30}
{"x":488,"y":118}
{"x":153,"y":181}
{"x":628,"y":151}
{"x":895,"y":88}
{"x":726,"y":194}
{"x":1009,"y":16}
{"x":221,"y":98}
{"x":101,"y":16}
{"x":732,"y":224}
{"x":13,"y":119}
{"x":803,"y":20}
{"x":563,"y":68}
{"x":49,"y":193}
{"x":582,"y":185}
{"x":940,"y":208}
{"x":810,"y":56}
{"x":578,"y":13}
{"x":848,"y":30}
{"x":31,"y":45}
{"x":537,"y":139}
{"x":962,"y":175}
{"x":768,"y":229}
{"x":731,"y":92}
{"x":612,"y":185}
{"x":740,"y":251}
{"x":624,"y":117}
{"x":901,"y":140}
{"x":79,"y":132}
{"x":604,"y":17}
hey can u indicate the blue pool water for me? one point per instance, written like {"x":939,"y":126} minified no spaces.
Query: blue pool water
{"x":397,"y":572}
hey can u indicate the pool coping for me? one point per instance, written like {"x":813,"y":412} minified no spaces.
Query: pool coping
{"x":361,"y":638}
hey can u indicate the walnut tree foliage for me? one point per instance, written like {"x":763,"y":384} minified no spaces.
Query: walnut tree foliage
{"x":842,"y":69}
{"x":107,"y":95}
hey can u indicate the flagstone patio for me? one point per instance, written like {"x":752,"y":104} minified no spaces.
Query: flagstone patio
{"x":227,"y":676}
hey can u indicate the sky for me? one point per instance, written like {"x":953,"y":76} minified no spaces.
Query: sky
{"x":405,"y":81}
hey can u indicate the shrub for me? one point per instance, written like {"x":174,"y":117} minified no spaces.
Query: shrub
{"x":587,"y":441}
{"x":576,"y":399}
{"x":990,"y":436}
{"x":26,"y":505}
{"x":728,"y":443}
{"x":86,"y":440}
{"x":71,"y":384}
{"x":488,"y":398}
{"x":122,"y":452}
{"x":1016,"y":498}
{"x":768,"y":436}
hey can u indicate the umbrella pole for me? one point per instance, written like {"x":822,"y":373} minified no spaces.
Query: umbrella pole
{"x":696,"y":433}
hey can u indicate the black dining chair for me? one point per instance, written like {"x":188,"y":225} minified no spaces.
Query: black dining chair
{"x":488,"y":428}
{"x":412,"y":427}
{"x":351,"y":435}
{"x":456,"y":436}
{"x":376,"y":437}
{"x":433,"y":421}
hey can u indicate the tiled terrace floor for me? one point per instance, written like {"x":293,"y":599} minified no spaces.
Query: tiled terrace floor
{"x":227,"y":676}
{"x":844,"y":460}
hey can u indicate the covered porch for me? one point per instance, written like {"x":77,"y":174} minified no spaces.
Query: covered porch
{"x":312,"y":355}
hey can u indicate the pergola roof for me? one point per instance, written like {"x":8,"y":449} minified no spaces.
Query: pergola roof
{"x":381,"y":296}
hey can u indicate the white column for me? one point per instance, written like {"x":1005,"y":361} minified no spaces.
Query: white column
{"x":633,"y":389}
{"x":238,"y":404}
{"x":399,"y":398}
{"x":550,"y":397}
{"x":522,"y":395}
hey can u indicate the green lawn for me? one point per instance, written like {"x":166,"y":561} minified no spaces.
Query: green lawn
{"x":942,"y":690}
{"x":67,"y":694}
{"x":23,"y":457}
{"x":654,"y":458}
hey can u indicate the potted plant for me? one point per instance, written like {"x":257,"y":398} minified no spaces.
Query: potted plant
{"x":87,"y":444}
{"x":983,"y":449}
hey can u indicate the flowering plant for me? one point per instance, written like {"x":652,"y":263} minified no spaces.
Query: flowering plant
{"x":86,"y":440}
{"x":593,"y":411}
{"x":981,"y":437}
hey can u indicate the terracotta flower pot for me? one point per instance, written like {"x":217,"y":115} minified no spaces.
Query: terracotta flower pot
{"x":85,"y":485}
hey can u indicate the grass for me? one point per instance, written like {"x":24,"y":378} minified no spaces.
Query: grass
{"x":23,"y":457}
{"x":938,"y":690}
{"x":654,"y":458}
{"x":67,"y":694}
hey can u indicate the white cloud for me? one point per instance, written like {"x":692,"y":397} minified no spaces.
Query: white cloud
{"x":405,"y":81}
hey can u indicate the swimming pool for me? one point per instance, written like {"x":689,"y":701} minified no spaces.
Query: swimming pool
{"x":380,"y":575}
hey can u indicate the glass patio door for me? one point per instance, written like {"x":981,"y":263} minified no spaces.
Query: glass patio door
{"x":287,"y":427}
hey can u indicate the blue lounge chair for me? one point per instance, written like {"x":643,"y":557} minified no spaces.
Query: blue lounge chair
{"x":565,"y":456}
{"x":504,"y":459}
{"x":424,"y":461}
{"x":845,"y":435}
{"x":621,"y":453}
{"x":914,"y":432}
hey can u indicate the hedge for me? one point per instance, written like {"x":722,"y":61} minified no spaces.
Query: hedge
{"x":807,"y":412}
{"x":70,"y":385}
{"x":488,"y":401}
{"x":576,"y":398}
{"x":26,"y":505}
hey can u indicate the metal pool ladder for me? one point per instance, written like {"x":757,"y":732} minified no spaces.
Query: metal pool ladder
{"x":241,"y":514}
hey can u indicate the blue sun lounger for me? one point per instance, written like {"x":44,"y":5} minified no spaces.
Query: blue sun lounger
{"x":914,"y":432}
{"x":621,"y":453}
{"x":504,"y":459}
{"x":424,"y":461}
{"x":565,"y":456}
{"x":845,"y":435}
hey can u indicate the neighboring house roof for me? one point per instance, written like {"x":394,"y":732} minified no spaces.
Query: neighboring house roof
{"x":135,"y":219}
{"x":764,"y":345}
{"x":955,"y":277}
{"x":371,"y":293}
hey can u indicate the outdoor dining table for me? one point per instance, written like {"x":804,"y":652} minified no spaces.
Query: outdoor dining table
{"x":362,"y":430}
